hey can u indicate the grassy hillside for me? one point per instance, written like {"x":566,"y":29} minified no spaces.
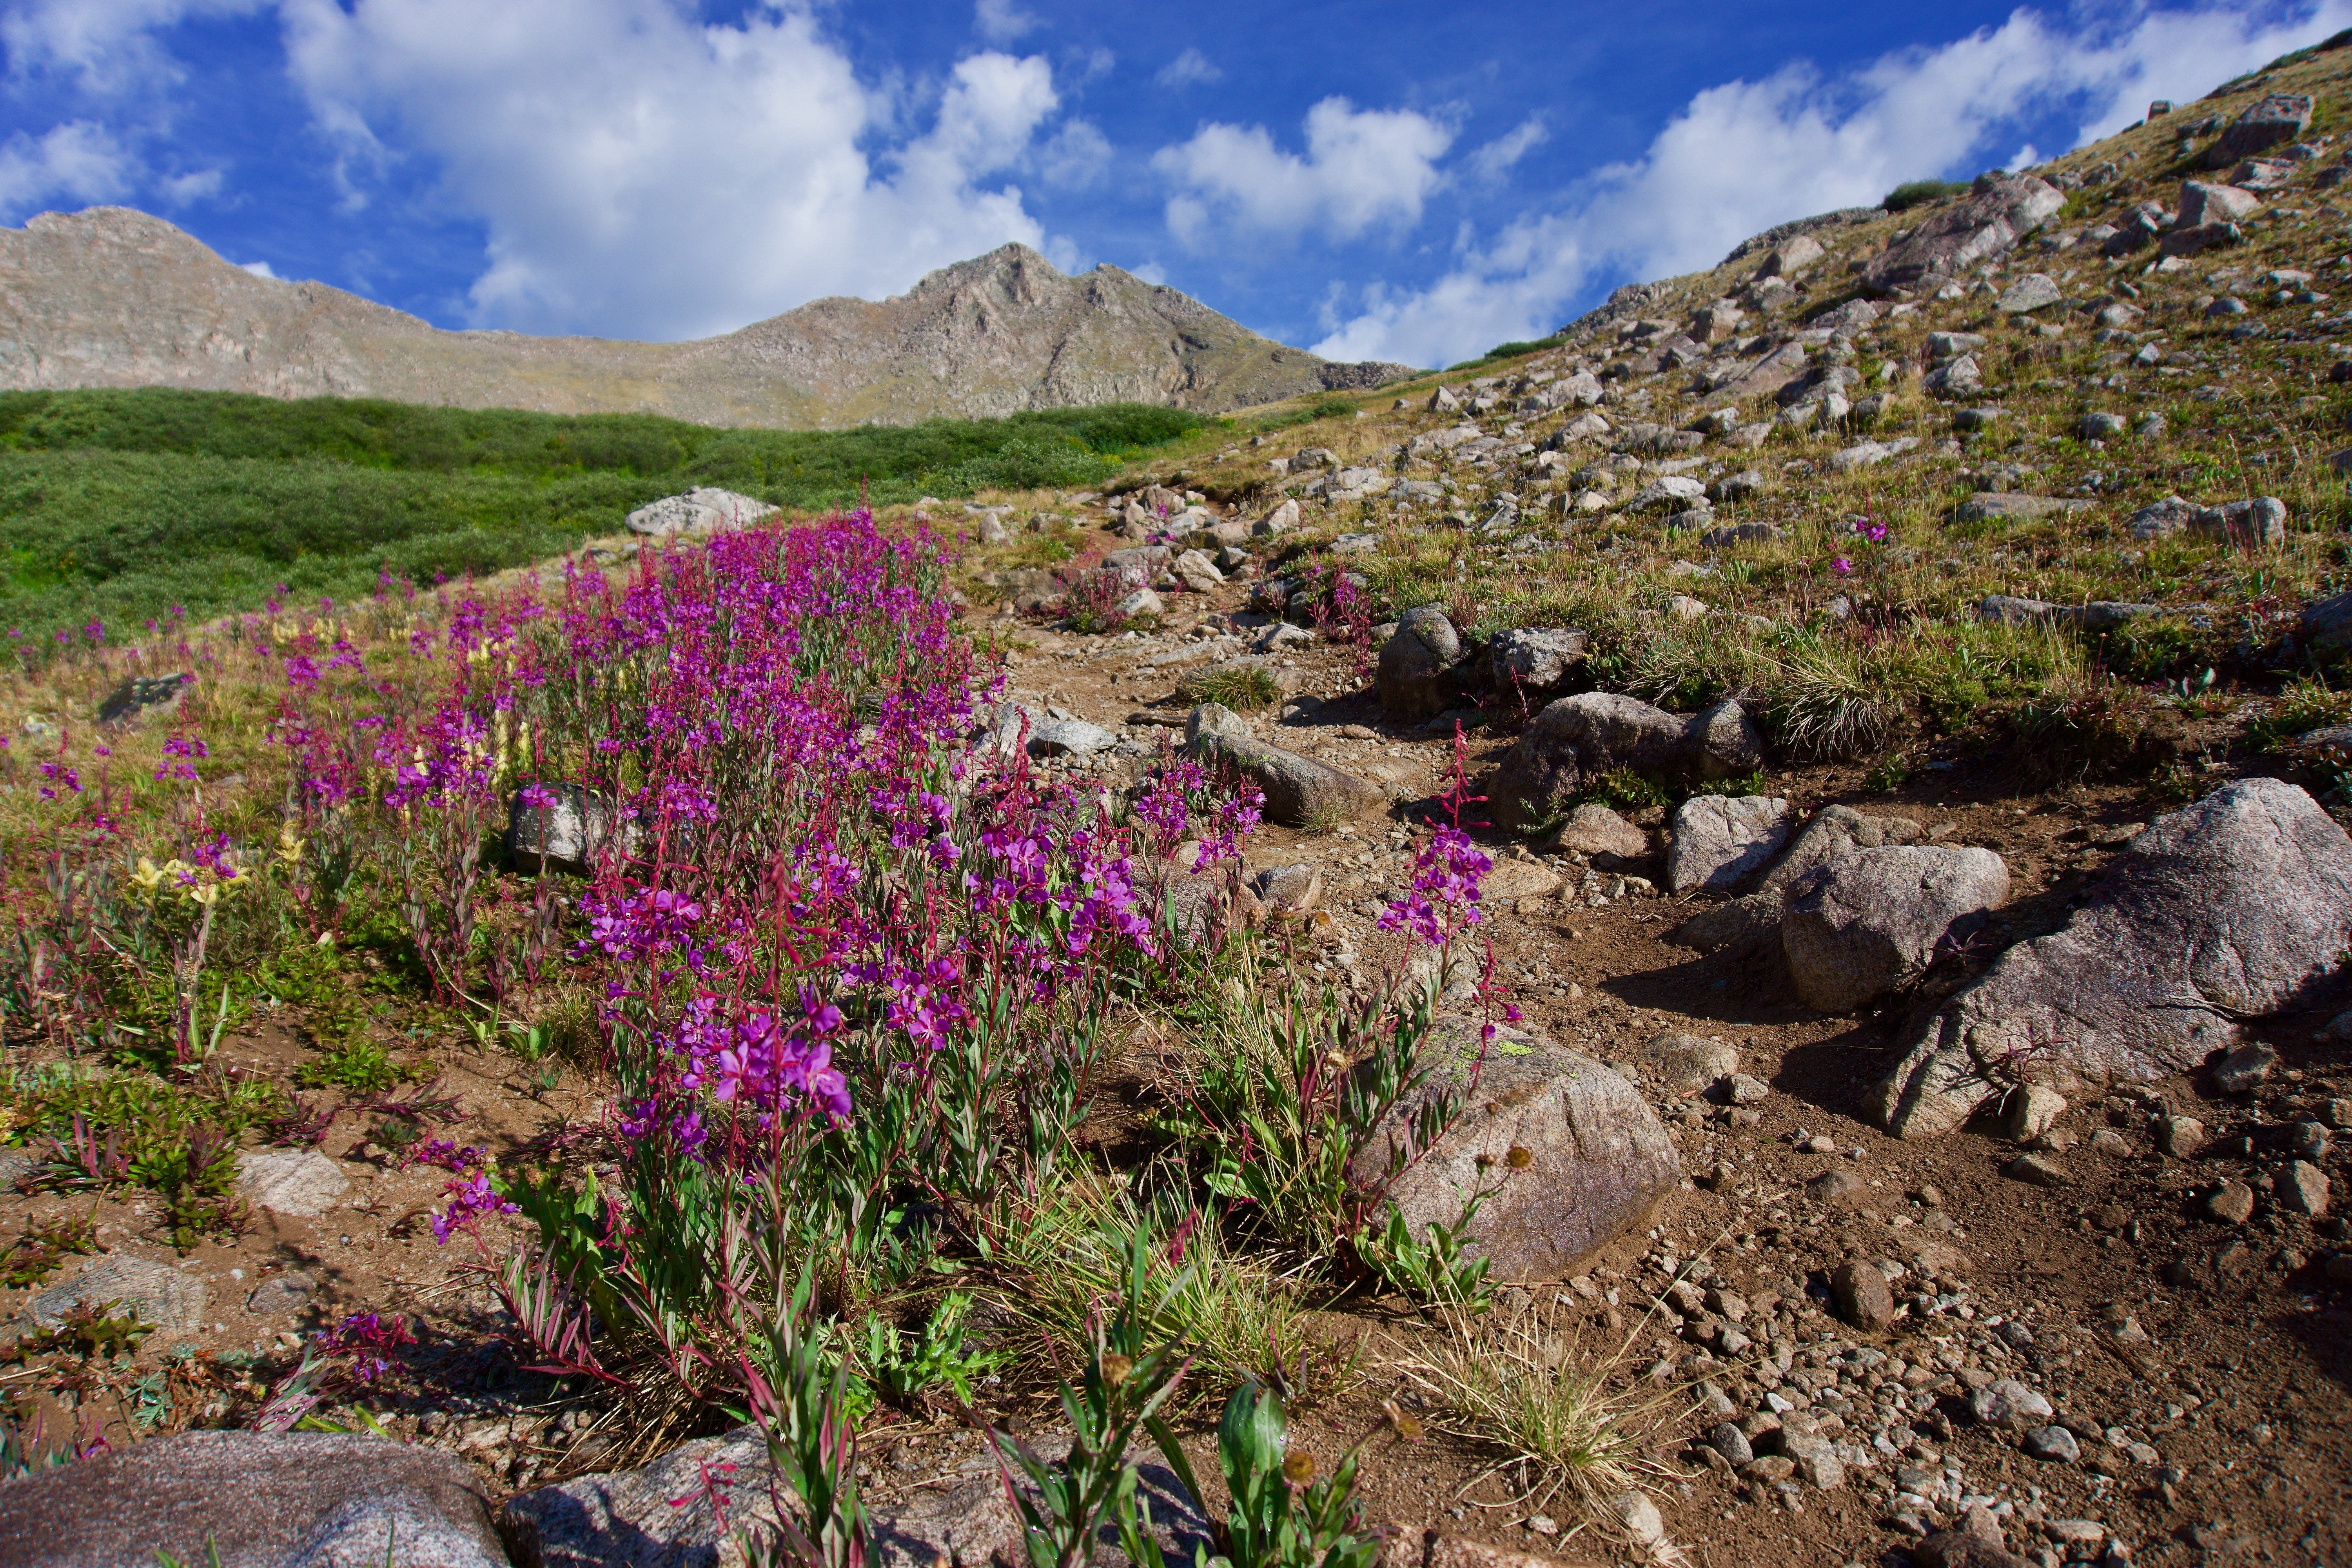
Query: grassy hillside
{"x":122,"y":506}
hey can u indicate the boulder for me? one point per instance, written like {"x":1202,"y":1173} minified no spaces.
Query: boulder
{"x":1598,"y":732}
{"x":1281,"y":520}
{"x":2162,"y":518}
{"x":1674,"y":492}
{"x":1416,"y":676}
{"x":1535,"y":658}
{"x":1289,"y":889}
{"x":2269,"y":121}
{"x":2243,"y":523}
{"x":1196,"y":571}
{"x":2034,"y":291}
{"x":2231,"y":909}
{"x":1875,"y":919}
{"x":1716,"y":842}
{"x":1988,"y":222}
{"x":291,"y":1181}
{"x":2203,"y":202}
{"x":1600,"y":834}
{"x":1689,"y":1063}
{"x":1861,"y":1294}
{"x":1750,"y":920}
{"x":316,"y":1499}
{"x":157,"y":1294}
{"x":1299,"y":791}
{"x":141,"y":695}
{"x":2327,"y":623}
{"x":1835,"y":832}
{"x":565,"y":831}
{"x":1791,"y":256}
{"x":661,"y":1515}
{"x":1597,"y":1159}
{"x":703,"y":509}
{"x":1987,"y":506}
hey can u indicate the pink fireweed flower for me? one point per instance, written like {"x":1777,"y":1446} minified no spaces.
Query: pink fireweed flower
{"x":1841,"y":566}
{"x":468,"y":1201}
{"x":1443,"y":900}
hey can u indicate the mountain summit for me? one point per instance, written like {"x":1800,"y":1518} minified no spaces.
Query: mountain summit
{"x":112,"y":297}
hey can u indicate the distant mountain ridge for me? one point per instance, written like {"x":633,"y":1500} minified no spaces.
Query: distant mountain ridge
{"x":112,"y":297}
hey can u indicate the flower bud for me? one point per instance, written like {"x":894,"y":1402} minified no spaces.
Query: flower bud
{"x":1117,"y":1369}
{"x":1298,"y":1467}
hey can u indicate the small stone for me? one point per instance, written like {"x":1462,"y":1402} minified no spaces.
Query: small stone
{"x":2010,"y":1404}
{"x":2179,"y":1136}
{"x":2303,"y":1190}
{"x":1837,"y":1186}
{"x":2030,"y":1111}
{"x":1862,"y":1295}
{"x":283,"y":1296}
{"x":2233,"y":1202}
{"x":2053,"y":1444}
{"x":2245,"y":1067}
{"x":2039,"y":1171}
{"x":1816,"y":1460}
{"x":1639,"y":1516}
{"x":1729,"y":1441}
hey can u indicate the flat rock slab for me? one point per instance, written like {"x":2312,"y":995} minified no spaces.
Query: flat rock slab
{"x":954,"y":1509}
{"x":1299,"y":791}
{"x":1597,"y":1159}
{"x":1987,"y":505}
{"x":1598,"y":732}
{"x":163,"y":1297}
{"x":2233,"y":908}
{"x":293,"y":1500}
{"x":291,"y":1181}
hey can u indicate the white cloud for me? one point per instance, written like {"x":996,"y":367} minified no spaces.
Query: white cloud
{"x":1002,"y":21}
{"x":1188,"y":68}
{"x":1493,"y":161}
{"x":1077,"y":158}
{"x":79,"y":160}
{"x":1363,"y":167}
{"x":259,"y":269}
{"x":108,"y":47}
{"x":1745,"y":155}
{"x":639,"y":172}
{"x":179,"y":190}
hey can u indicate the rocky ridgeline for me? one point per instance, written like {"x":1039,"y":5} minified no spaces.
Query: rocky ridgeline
{"x":110,"y":297}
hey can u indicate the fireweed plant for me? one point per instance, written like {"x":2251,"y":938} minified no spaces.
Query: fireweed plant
{"x":856,"y":965}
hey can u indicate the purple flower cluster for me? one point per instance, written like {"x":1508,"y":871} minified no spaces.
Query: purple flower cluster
{"x":1444,"y":900}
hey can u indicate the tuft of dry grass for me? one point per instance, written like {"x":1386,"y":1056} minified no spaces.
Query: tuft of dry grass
{"x":1559,"y":1412}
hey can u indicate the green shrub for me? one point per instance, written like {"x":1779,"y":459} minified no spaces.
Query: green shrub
{"x":1919,"y":193}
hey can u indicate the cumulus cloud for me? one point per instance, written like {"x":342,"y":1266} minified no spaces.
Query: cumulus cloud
{"x":259,"y":269}
{"x":80,"y":160}
{"x":640,"y":172}
{"x":1493,"y":161}
{"x":1187,"y":68}
{"x":1362,"y":168}
{"x":1745,"y":155}
{"x":179,"y":190}
{"x":1002,"y":21}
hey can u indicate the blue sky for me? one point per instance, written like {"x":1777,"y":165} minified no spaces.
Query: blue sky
{"x":1373,"y":180}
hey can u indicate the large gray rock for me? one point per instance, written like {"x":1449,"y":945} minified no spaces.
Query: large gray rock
{"x":1871,"y":921}
{"x":2034,"y":291}
{"x":1715,"y":842}
{"x":1751,"y":920}
{"x":2000,"y":213}
{"x":952,"y":1509}
{"x":1416,"y":679}
{"x":703,"y":509}
{"x":2243,"y":523}
{"x":1535,"y":658}
{"x":1597,"y":1158}
{"x":293,"y":1500}
{"x":2327,"y":623}
{"x":2231,"y":909}
{"x":1299,"y":791}
{"x":291,"y":1181}
{"x":1835,"y":832}
{"x":2203,"y":202}
{"x":2268,"y":122}
{"x":1598,"y":732}
{"x":565,"y":832}
{"x":161,"y":1295}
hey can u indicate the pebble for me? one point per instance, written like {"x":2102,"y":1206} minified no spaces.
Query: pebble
{"x":2053,"y":1444}
{"x":2233,"y":1202}
{"x":2039,"y":1171}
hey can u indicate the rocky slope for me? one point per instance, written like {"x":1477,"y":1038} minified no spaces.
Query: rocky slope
{"x":110,"y":297}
